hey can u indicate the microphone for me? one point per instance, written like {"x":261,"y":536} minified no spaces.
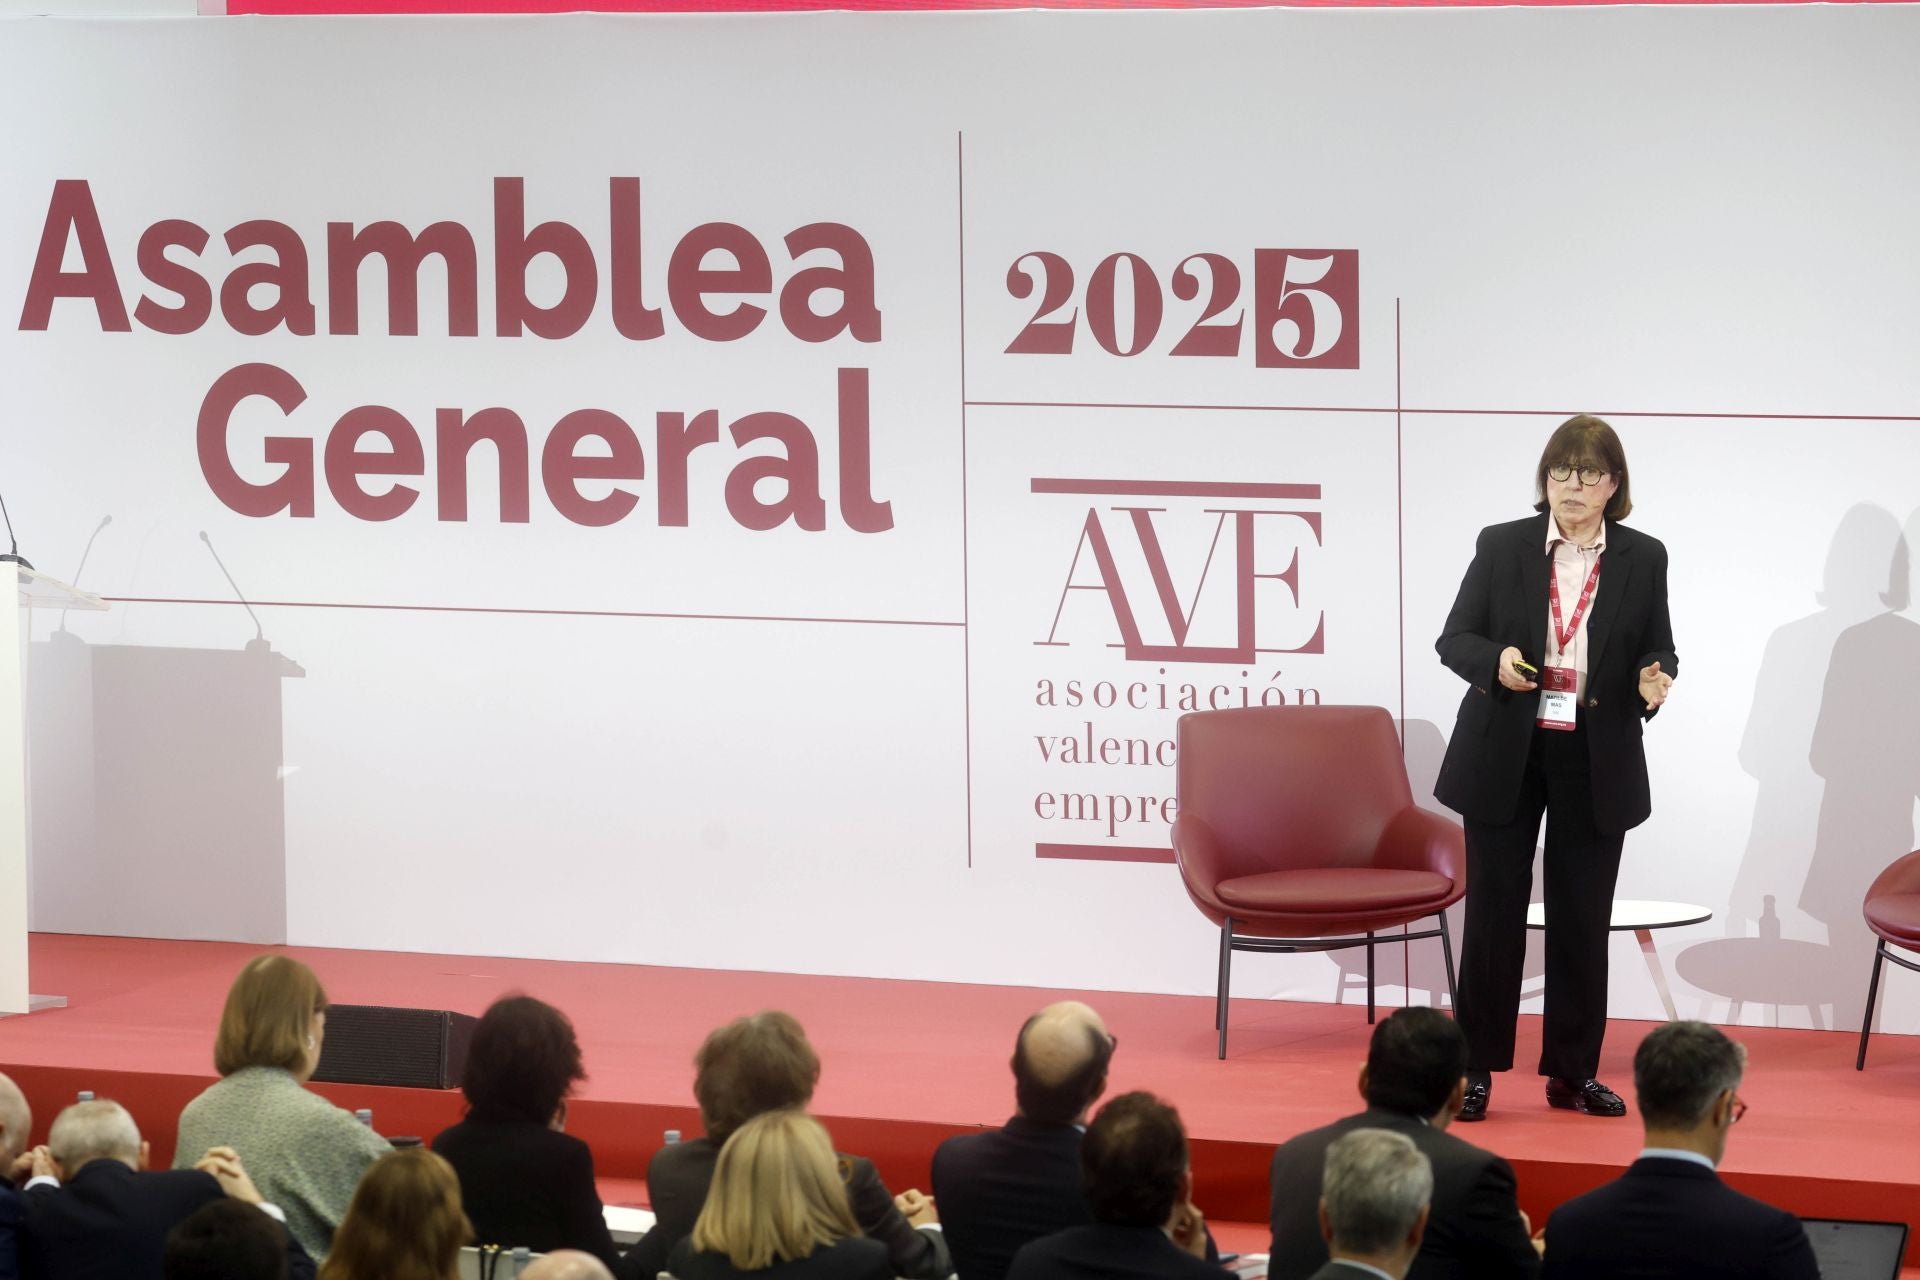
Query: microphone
{"x":259,"y":635}
{"x":13,"y":555}
{"x":88,"y":549}
{"x":85,"y":552}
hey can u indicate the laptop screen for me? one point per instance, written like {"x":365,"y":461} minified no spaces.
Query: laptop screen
{"x":1857,"y":1250}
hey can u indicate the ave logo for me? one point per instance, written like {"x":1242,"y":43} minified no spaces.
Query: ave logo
{"x":1186,"y":571}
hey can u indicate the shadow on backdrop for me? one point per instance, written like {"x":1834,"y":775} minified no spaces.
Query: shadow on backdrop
{"x":1831,"y":744}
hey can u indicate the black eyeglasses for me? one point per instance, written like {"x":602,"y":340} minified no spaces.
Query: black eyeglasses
{"x":1589,"y":476}
{"x":1739,"y":1109}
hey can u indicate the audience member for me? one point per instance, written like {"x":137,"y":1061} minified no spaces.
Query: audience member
{"x":305,"y":1153}
{"x":1140,"y":1190}
{"x":750,"y":1066}
{"x":523,"y":1180}
{"x":999,"y":1189}
{"x":566,"y":1264}
{"x":1413,"y":1082}
{"x":405,"y":1222}
{"x":1374,"y":1199}
{"x":1669,"y":1214}
{"x":778,"y":1208}
{"x":229,"y":1240}
{"x":16,"y":1130}
{"x":94,"y":1213}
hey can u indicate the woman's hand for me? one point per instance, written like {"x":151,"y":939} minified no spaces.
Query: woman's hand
{"x":917,"y":1207}
{"x":1510,"y":677}
{"x":224,"y":1164}
{"x":1654,"y":684}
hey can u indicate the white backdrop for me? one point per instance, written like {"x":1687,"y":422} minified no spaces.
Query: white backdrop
{"x":844,"y":750}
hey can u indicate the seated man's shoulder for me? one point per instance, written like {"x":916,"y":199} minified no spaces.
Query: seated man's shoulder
{"x":1444,"y":1144}
{"x":677,"y":1157}
{"x":1598,"y":1206}
{"x":1314,"y":1141}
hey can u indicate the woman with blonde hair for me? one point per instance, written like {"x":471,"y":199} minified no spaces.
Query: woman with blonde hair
{"x":778,"y":1206}
{"x":750,"y":1066}
{"x":405,"y":1223}
{"x":305,"y":1154}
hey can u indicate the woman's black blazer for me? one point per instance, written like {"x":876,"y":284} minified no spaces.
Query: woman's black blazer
{"x":1502,"y":602}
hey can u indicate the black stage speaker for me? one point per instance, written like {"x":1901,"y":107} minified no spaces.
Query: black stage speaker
{"x":405,"y":1048}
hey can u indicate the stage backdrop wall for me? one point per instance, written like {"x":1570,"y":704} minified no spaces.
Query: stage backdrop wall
{"x":756,"y":492}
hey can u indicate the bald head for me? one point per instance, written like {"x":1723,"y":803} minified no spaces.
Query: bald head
{"x":567,"y":1264}
{"x":16,"y":1120}
{"x":1060,"y":1062}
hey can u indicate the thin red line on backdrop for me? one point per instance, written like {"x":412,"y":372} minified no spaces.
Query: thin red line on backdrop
{"x":532,"y":612}
{"x":339,"y":8}
{"x":1103,"y":852}
{"x":1175,"y":488}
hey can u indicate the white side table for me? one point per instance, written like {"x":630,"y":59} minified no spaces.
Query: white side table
{"x":1642,"y":918}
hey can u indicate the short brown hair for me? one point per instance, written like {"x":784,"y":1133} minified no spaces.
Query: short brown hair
{"x":1132,"y":1159}
{"x":753,"y":1064}
{"x":269,"y":1013}
{"x":1586,"y":441}
{"x":777,"y":1193}
{"x":405,"y":1222}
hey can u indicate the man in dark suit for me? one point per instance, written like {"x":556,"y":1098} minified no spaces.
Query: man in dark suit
{"x":1670,"y":1215}
{"x":16,"y":1128}
{"x":1561,"y":631}
{"x":1374,"y":1199}
{"x":1413,"y":1082}
{"x":999,"y":1189}
{"x":750,"y":1065}
{"x":1140,"y":1190}
{"x":94,"y":1213}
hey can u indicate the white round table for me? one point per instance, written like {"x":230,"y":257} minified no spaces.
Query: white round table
{"x":1642,"y":917}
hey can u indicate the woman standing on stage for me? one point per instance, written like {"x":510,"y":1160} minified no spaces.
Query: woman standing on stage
{"x":1561,"y":632}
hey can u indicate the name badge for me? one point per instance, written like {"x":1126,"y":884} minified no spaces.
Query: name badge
{"x":1557,"y":700}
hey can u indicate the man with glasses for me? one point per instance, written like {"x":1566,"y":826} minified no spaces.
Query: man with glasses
{"x":1561,"y":632}
{"x":1670,"y":1215}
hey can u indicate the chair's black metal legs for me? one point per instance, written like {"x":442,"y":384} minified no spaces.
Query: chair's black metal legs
{"x":1256,"y":942}
{"x":1226,"y":972}
{"x":1369,"y":977}
{"x":1873,"y":986}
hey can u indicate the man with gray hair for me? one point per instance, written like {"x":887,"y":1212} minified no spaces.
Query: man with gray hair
{"x":16,"y":1126}
{"x":1374,"y":1200}
{"x":567,"y":1264}
{"x":93,"y":1212}
{"x":1670,"y":1215}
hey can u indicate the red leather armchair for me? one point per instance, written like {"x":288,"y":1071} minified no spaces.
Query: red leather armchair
{"x":1892,"y":909}
{"x":1297,"y":832}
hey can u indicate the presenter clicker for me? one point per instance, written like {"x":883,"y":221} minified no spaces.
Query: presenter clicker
{"x":1561,"y":632}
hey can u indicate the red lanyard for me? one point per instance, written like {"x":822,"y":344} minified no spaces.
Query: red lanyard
{"x":1564,"y":634}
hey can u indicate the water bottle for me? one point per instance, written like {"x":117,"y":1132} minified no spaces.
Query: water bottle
{"x":365,"y":1116}
{"x":522,"y":1258}
{"x":673,"y":1137}
{"x":86,"y":1095}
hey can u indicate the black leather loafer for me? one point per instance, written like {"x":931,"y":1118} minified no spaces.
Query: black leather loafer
{"x":1588,"y":1097}
{"x":1474,"y":1107}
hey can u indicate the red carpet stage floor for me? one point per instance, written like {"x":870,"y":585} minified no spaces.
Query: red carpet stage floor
{"x":908,"y":1063}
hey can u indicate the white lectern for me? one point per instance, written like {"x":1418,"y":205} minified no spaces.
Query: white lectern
{"x":36,"y":591}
